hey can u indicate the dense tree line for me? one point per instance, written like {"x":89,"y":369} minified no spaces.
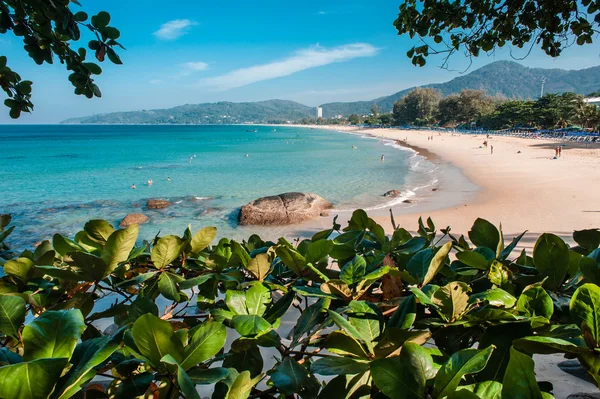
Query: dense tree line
{"x":474,"y":108}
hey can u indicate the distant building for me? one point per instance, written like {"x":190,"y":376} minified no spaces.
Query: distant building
{"x":319,"y":112}
{"x":593,"y":101}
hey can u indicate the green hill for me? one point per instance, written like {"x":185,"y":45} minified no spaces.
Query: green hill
{"x":506,"y":78}
{"x":274,"y":111}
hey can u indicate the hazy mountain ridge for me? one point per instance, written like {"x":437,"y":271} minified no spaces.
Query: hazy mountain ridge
{"x":507,"y":78}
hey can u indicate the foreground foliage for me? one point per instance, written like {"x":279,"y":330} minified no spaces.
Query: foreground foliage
{"x":425,"y":316}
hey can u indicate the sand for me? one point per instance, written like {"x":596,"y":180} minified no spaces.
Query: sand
{"x":520,"y":185}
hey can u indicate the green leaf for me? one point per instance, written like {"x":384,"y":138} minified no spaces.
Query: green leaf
{"x":317,"y":250}
{"x":12,"y":314}
{"x":242,"y":386}
{"x":461,"y":363}
{"x":259,"y":266}
{"x":404,"y":376}
{"x":167,"y":285}
{"x":250,"y":325}
{"x":250,"y":360}
{"x":208,"y":376}
{"x":535,"y":301}
{"x":119,"y":245}
{"x":404,"y":317}
{"x":207,"y":341}
{"x":520,"y":382}
{"x":236,"y":302}
{"x":203,"y":238}
{"x":99,"y":230}
{"x":101,"y":20}
{"x":338,"y":366}
{"x":88,"y":355}
{"x":350,"y":329}
{"x":21,"y":268}
{"x":63,"y":245}
{"x":187,"y":386}
{"x":551,"y":258}
{"x":257,"y":298}
{"x":473,"y":259}
{"x":353,"y":271}
{"x":196,"y":281}
{"x":89,"y":265}
{"x":30,"y":380}
{"x":585,"y":309}
{"x":484,"y":234}
{"x":367,"y":319}
{"x":154,"y":338}
{"x":546,"y":345}
{"x":280,"y":308}
{"x":589,"y":239}
{"x":589,"y":268}
{"x":166,"y":250}
{"x":292,"y":259}
{"x":341,"y":344}
{"x":310,"y":317}
{"x":53,"y":335}
{"x":291,"y":378}
{"x":496,"y":297}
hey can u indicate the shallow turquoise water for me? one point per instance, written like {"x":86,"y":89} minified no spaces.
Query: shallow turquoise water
{"x":55,"y":178}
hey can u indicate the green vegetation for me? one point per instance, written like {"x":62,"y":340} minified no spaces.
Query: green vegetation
{"x":475,"y":26}
{"x":363,"y":305}
{"x":423,"y":107}
{"x":48,"y":29}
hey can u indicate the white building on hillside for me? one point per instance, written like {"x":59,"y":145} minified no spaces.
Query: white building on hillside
{"x":319,"y":112}
{"x":593,"y":101}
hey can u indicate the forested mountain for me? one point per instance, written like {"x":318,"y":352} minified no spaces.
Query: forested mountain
{"x":506,"y":78}
{"x":274,"y":111}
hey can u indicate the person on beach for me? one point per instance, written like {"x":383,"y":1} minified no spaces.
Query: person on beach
{"x":485,"y":143}
{"x":133,"y":186}
{"x":559,"y":151}
{"x":491,"y":149}
{"x":556,"y":152}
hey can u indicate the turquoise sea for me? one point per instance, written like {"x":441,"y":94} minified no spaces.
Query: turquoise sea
{"x":55,"y":178}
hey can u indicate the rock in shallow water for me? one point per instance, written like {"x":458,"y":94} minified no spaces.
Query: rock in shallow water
{"x":393,"y":194}
{"x":157,"y":204}
{"x":134,"y":218}
{"x":282,"y":209}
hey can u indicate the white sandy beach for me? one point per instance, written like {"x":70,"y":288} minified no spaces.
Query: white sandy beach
{"x":524,"y":191}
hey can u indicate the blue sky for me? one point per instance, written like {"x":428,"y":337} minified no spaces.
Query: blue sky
{"x":312,"y":52}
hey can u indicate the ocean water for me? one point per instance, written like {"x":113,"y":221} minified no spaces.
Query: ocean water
{"x":55,"y":178}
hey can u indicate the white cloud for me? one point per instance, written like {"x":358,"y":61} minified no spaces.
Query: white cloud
{"x":299,"y":61}
{"x":195,"y":66}
{"x":174,"y":29}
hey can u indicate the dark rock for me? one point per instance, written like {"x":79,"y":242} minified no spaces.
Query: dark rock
{"x":434,"y":189}
{"x":407,"y":201}
{"x":282,"y":209}
{"x":134,"y":218}
{"x":324,"y":214}
{"x":157,"y":204}
{"x":393,"y":194}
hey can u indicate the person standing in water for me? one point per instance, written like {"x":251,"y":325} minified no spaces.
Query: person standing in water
{"x":133,"y":186}
{"x":382,"y":158}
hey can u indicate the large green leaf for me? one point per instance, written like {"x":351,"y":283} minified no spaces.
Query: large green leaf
{"x":495,"y":297}
{"x":167,"y":285}
{"x":88,"y":355}
{"x":551,"y":258}
{"x":405,"y":315}
{"x":208,"y":376}
{"x":207,"y":341}
{"x":520,"y":382}
{"x":585,"y":309}
{"x":484,"y":234}
{"x":63,"y":245}
{"x":317,"y":250}
{"x":590,"y":269}
{"x":461,"y":363}
{"x":367,"y":319}
{"x":12,"y":314}
{"x":535,"y":301}
{"x":589,"y":239}
{"x":342,"y":323}
{"x":242,"y":386}
{"x":546,"y":345}
{"x":203,"y":238}
{"x":259,"y":266}
{"x":291,"y":378}
{"x":236,"y":302}
{"x":418,"y":265}
{"x":404,"y":376}
{"x":119,"y":245}
{"x":249,"y":325}
{"x":257,"y":298}
{"x":473,"y":259}
{"x":99,"y":230}
{"x":250,"y":360}
{"x":21,"y":268}
{"x":166,"y":250}
{"x":338,"y":366}
{"x":154,"y":338}
{"x":310,"y":317}
{"x":353,"y":271}
{"x":342,"y":344}
{"x":292,"y":259}
{"x":30,"y":380}
{"x":53,"y":335}
{"x":91,"y":266}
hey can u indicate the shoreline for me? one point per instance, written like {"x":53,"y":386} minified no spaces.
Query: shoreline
{"x":520,"y":185}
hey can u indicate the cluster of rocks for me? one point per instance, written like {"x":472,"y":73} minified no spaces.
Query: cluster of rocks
{"x":283,"y":209}
{"x":140,"y":218}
